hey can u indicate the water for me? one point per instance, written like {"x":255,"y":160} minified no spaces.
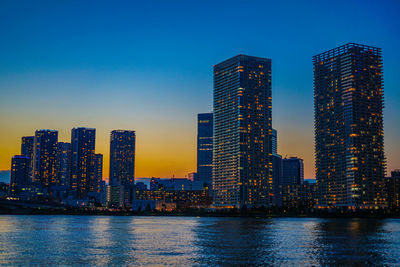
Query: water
{"x":101,"y":240}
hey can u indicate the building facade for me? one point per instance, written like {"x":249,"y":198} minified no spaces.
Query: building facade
{"x":63,"y":163}
{"x":20,"y":166}
{"x":83,"y":142}
{"x":98,"y":172}
{"x":204,"y":147}
{"x":27,"y":147}
{"x":45,"y":157}
{"x":348,"y":103}
{"x":292,"y":171}
{"x":242,"y":167}
{"x":122,"y":157}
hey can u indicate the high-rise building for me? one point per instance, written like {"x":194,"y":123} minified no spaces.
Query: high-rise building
{"x":20,"y":166}
{"x":393,"y":190}
{"x":63,"y":163}
{"x":98,"y":172}
{"x":27,"y":147}
{"x":45,"y":157}
{"x":82,"y":161}
{"x":204,"y":147}
{"x":122,"y":157}
{"x":292,"y":171}
{"x":277,"y":178}
{"x":274,"y":141}
{"x":242,"y":167}
{"x":348,"y":103}
{"x":122,"y":163}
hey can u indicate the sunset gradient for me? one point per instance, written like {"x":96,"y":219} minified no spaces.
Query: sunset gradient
{"x":127,"y":65}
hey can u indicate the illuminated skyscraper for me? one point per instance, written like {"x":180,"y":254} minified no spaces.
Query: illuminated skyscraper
{"x":242,"y":167}
{"x":122,"y":162}
{"x":204,"y":147}
{"x":122,"y":157}
{"x":98,"y":172}
{"x":45,"y":157}
{"x":27,"y":147}
{"x":83,"y":161}
{"x":19,"y":174}
{"x":64,"y":163}
{"x":348,"y":103}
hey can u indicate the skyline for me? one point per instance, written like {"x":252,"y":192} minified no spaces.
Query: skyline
{"x":158,"y":90}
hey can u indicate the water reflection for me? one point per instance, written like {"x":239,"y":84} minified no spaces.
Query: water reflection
{"x":180,"y":241}
{"x":351,"y":242}
{"x":224,"y":241}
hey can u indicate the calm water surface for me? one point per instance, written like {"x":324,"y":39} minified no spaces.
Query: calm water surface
{"x":98,"y":240}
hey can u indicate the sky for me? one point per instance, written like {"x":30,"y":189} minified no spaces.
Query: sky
{"x":147,"y":66}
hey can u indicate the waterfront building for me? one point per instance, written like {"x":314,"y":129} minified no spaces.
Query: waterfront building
{"x":348,"y":103}
{"x":393,"y":190}
{"x":277,"y":179}
{"x":98,"y":173}
{"x":122,"y":162}
{"x":122,"y":157}
{"x":115,"y":196}
{"x":27,"y":147}
{"x":82,"y":161}
{"x":292,"y":171}
{"x":242,"y":165}
{"x":274,"y":138}
{"x":204,"y":147}
{"x":45,"y":157}
{"x":20,"y":166}
{"x":64,"y":163}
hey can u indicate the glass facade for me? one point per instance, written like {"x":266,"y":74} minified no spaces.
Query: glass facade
{"x":45,"y":157}
{"x":19,"y":174}
{"x":63,"y":163}
{"x":292,"y":171}
{"x":204,"y":147}
{"x":122,"y":157}
{"x":83,"y":178}
{"x":27,"y":147}
{"x":348,"y":103}
{"x":242,"y":167}
{"x":98,"y":172}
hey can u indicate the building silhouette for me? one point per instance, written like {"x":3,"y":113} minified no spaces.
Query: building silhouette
{"x":242,"y":167}
{"x":122,"y":162}
{"x":20,"y":166}
{"x":204,"y":147}
{"x":64,"y":163}
{"x":292,"y":171}
{"x":82,"y":161}
{"x":27,"y":147}
{"x":98,"y":172}
{"x":45,"y":157}
{"x":348,"y":103}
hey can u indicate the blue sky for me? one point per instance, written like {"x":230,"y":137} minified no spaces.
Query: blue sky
{"x":147,"y":66}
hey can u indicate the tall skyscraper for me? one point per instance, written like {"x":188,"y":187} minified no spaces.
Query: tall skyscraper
{"x":242,"y":167}
{"x":122,"y":163}
{"x":122,"y":157}
{"x":83,"y":161}
{"x":274,"y":141}
{"x":19,"y":174}
{"x":292,"y":171}
{"x":204,"y":147}
{"x":64,"y":163}
{"x":45,"y":157}
{"x":98,"y":172}
{"x":348,"y":103}
{"x":27,"y":147}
